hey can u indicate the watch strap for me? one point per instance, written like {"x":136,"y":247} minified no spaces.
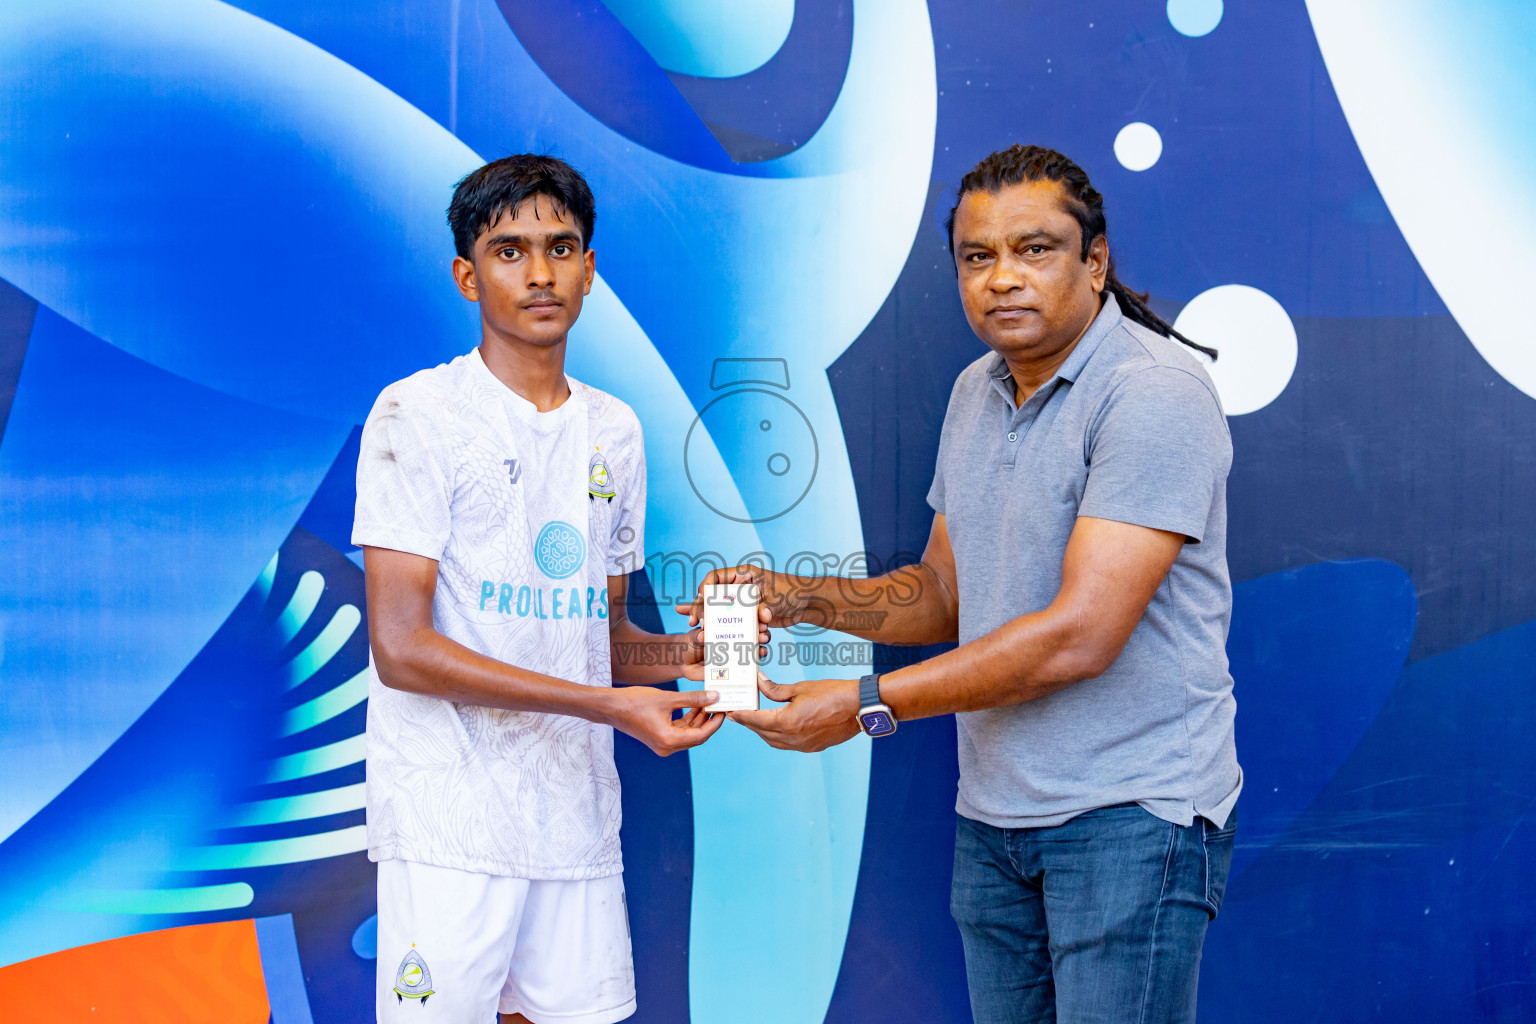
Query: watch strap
{"x":869,"y":690}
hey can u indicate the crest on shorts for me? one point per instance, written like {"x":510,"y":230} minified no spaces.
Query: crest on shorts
{"x":599,"y":480}
{"x":412,"y":978}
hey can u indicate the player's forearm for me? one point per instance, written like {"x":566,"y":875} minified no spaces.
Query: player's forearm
{"x":424,"y":661}
{"x":646,"y":658}
{"x":1022,"y":660}
{"x":904,"y":607}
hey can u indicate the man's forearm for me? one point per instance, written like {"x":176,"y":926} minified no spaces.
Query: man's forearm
{"x":904,"y":607}
{"x":1026,"y":658}
{"x":429,"y":663}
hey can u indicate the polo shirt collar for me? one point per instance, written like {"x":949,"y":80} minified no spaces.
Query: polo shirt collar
{"x":1108,"y":319}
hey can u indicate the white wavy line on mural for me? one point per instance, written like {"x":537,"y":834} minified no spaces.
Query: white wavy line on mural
{"x":324,"y":646}
{"x":298,"y":808}
{"x":270,"y":852}
{"x":301,"y":605}
{"x":326,"y":706}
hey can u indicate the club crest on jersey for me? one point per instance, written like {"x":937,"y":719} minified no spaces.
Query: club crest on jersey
{"x":599,"y":480}
{"x":559,"y":549}
{"x":412,"y":979}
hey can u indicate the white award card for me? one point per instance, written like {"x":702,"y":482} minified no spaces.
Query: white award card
{"x":730,"y":645}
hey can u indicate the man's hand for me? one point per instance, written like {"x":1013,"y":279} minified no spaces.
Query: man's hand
{"x":693,"y":667}
{"x":820,"y":713}
{"x":645,"y":713}
{"x":780,"y":603}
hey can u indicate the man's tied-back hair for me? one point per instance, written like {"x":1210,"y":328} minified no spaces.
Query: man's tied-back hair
{"x":503,"y":185}
{"x":1018,"y":164}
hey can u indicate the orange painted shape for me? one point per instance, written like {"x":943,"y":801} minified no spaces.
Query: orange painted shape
{"x":200,"y":973}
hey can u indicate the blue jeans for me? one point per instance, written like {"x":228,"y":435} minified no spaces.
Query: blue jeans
{"x":1100,"y":919}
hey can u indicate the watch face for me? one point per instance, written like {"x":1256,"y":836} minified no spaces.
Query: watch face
{"x":878,"y":723}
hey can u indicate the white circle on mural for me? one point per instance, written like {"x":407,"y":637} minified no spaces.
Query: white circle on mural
{"x":1194,"y":17}
{"x":1138,"y":146}
{"x":1255,"y":339}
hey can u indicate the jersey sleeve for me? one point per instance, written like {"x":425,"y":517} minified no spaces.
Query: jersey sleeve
{"x":626,"y":540}
{"x":403,"y":480}
{"x":1158,"y":453}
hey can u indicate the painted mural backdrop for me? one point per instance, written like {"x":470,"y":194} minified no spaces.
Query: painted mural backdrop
{"x":221,"y":233}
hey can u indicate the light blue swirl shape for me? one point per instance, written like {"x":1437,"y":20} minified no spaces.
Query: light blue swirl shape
{"x":710,"y":264}
{"x":131,"y":504}
{"x":230,"y":133}
{"x":559,"y":550}
{"x":788,"y":258}
{"x":177,"y":179}
{"x":705,"y":37}
{"x":243,"y":169}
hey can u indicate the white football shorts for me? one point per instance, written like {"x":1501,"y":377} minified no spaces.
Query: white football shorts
{"x":456,"y":946}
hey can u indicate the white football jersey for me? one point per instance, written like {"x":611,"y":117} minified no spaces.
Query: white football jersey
{"x":526,"y":514}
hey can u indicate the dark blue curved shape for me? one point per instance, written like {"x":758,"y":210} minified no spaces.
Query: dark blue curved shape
{"x":1403,"y":892}
{"x":17,"y":311}
{"x":330,"y":510}
{"x":1314,"y":653}
{"x":595,"y":61}
{"x":657,"y":836}
{"x":1234,"y":128}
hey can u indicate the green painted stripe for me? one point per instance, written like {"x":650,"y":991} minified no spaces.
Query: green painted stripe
{"x":324,"y":647}
{"x":321,"y":759}
{"x":297,"y":808}
{"x":264,"y":581}
{"x":140,"y":902}
{"x":327,"y":706}
{"x":301,"y":606}
{"x":275,"y":851}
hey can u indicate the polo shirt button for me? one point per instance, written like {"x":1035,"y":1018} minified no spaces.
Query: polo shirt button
{"x":1013,"y":435}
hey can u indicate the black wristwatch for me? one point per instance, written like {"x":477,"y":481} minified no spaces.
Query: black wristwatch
{"x":874,"y":717}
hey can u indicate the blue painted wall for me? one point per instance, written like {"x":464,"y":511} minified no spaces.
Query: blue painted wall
{"x":221,"y":233}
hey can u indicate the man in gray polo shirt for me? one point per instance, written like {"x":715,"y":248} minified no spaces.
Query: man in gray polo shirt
{"x":1078,"y":554}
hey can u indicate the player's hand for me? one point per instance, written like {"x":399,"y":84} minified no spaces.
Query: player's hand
{"x":645,"y":713}
{"x":780,"y":601}
{"x":819,"y":713}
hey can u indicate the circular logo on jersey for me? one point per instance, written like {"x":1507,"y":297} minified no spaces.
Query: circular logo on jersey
{"x":559,"y":549}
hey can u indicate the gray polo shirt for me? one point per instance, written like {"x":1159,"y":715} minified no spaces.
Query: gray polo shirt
{"x":1129,"y":429}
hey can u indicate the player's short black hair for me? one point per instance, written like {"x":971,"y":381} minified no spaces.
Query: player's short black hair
{"x":503,"y":185}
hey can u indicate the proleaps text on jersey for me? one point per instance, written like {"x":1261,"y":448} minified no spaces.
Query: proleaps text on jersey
{"x":544,"y":602}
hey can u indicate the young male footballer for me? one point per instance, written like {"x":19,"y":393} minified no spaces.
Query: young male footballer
{"x":501,"y":507}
